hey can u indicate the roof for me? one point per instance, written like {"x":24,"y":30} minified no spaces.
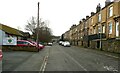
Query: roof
{"x":10,"y":30}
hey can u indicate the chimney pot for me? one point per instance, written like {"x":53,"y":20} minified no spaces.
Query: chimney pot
{"x":92,"y":13}
{"x":87,"y":17}
{"x":83,"y":19}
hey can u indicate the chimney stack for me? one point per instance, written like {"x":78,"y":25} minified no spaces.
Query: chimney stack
{"x":107,"y":2}
{"x":83,"y":19}
{"x":92,"y":13}
{"x":80,"y":22}
{"x":116,"y":0}
{"x":87,"y":17}
{"x":98,"y":8}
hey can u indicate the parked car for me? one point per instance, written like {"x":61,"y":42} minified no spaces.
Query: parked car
{"x":24,"y":43}
{"x":60,"y":42}
{"x":49,"y":44}
{"x":40,"y":46}
{"x":0,"y":54}
{"x":66,"y":44}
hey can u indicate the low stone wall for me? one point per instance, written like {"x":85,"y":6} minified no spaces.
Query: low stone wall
{"x":93,"y":44}
{"x":111,"y":45}
{"x":17,"y":48}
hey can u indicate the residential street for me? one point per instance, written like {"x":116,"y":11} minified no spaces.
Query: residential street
{"x":59,"y":58}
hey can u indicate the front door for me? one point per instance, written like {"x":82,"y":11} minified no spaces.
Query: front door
{"x":117,"y":29}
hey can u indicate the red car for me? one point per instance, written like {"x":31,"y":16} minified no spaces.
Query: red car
{"x":24,"y":43}
{"x":39,"y":46}
{"x":0,"y":54}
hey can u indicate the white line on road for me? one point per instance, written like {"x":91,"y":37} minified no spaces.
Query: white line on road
{"x":110,"y":68}
{"x":42,"y":68}
{"x":42,"y":65}
{"x":112,"y":56}
{"x":75,"y":61}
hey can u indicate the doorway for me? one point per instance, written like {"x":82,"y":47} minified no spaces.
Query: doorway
{"x":98,"y":44}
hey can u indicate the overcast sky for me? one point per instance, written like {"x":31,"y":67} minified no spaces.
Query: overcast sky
{"x":61,"y":14}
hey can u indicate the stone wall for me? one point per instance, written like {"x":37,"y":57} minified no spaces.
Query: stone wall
{"x":93,"y":44}
{"x":111,"y":45}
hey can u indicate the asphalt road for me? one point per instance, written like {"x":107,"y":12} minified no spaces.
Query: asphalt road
{"x":59,"y":58}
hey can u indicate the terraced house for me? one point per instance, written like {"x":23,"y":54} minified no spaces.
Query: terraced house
{"x":101,"y":30}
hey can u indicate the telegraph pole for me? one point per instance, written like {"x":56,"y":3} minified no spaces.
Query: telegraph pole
{"x":37,"y":40}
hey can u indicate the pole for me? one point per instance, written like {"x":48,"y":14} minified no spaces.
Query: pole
{"x":38,"y":26}
{"x":101,"y":37}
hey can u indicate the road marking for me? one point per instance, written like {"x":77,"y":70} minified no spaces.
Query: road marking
{"x":110,"y":68}
{"x":42,"y":65}
{"x":75,"y":61}
{"x":45,"y":60}
{"x":42,"y":69}
{"x":112,"y":56}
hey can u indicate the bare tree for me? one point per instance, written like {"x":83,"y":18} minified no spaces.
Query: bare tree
{"x":31,"y":26}
{"x":44,"y":31}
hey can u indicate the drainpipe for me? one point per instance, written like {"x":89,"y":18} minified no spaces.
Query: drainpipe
{"x":101,"y":38}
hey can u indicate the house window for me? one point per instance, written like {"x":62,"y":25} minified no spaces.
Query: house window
{"x":110,"y":11}
{"x":99,"y":17}
{"x":117,"y":28}
{"x":99,"y":29}
{"x":94,"y":30}
{"x":103,"y":29}
{"x":110,"y":28}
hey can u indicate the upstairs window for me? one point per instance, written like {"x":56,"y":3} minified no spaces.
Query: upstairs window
{"x":110,"y":28}
{"x":99,"y":17}
{"x":110,"y":11}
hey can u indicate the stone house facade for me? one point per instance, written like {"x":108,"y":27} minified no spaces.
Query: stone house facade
{"x":101,"y":30}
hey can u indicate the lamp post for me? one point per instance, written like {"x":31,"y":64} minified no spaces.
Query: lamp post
{"x":38,"y":26}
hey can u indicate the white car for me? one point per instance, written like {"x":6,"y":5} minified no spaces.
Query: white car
{"x":66,"y":43}
{"x":60,"y":42}
{"x":50,"y":44}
